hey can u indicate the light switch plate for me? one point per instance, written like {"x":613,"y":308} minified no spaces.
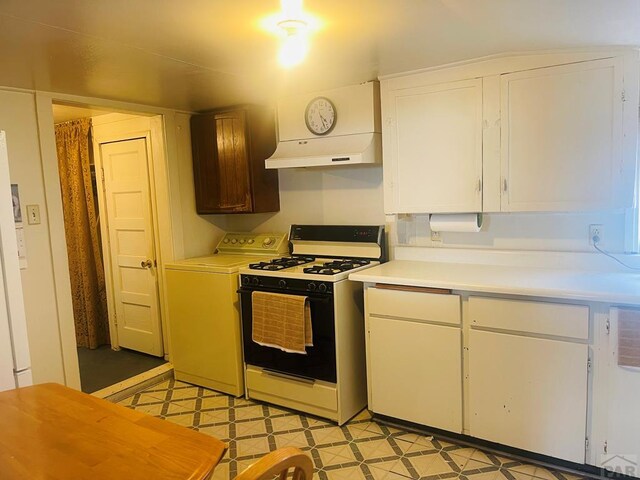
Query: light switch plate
{"x":33,"y":214}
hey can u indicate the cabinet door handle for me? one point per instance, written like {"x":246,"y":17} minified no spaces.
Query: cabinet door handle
{"x":479,"y":185}
{"x":504,"y":184}
{"x":146,"y":264}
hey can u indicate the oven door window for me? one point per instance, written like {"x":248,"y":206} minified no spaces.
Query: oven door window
{"x":320,"y":361}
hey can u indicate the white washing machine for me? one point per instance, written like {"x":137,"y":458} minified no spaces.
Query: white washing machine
{"x":204,"y":315}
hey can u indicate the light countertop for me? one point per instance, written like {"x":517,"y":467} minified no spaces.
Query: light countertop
{"x":593,"y":286}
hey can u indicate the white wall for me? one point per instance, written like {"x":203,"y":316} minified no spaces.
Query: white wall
{"x":18,"y":118}
{"x":325,"y":196}
{"x":531,"y":231}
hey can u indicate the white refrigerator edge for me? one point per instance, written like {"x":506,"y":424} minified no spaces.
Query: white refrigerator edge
{"x":15,"y":361}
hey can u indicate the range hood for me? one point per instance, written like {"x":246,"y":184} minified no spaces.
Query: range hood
{"x":354,"y":139}
{"x":324,"y":151}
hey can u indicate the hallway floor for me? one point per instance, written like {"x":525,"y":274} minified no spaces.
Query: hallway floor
{"x":359,"y":450}
{"x":103,"y":367}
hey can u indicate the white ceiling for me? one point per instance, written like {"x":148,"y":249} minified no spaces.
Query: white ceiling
{"x":199,"y":54}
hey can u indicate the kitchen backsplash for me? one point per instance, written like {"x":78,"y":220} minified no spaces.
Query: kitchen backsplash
{"x":539,"y":231}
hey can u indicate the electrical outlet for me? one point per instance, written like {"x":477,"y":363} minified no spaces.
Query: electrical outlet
{"x":595,"y":232}
{"x":436,"y":237}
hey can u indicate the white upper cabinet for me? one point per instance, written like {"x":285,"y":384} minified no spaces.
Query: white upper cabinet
{"x":542,"y":132}
{"x":561,"y":137}
{"x":434,"y":144}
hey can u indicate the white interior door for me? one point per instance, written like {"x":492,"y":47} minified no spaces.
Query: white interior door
{"x":131,"y":246}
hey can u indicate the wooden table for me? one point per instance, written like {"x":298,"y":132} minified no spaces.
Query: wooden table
{"x":51,"y":432}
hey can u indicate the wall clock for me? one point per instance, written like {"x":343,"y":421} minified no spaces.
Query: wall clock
{"x":320,"y":116}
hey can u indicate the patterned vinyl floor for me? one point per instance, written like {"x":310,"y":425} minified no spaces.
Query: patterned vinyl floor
{"x":361,"y":449}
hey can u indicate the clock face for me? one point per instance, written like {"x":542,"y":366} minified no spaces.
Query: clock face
{"x":320,"y":116}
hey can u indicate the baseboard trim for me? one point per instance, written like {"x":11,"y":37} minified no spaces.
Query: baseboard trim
{"x":121,"y":390}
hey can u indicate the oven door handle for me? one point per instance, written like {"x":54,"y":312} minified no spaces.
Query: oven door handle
{"x":323,"y":299}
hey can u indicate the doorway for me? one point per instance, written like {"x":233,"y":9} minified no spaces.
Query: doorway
{"x":104,"y":162}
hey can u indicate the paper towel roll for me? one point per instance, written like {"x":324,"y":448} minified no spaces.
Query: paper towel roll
{"x":456,"y":222}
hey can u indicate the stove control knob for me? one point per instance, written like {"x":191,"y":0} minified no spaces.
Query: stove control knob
{"x":322,"y":288}
{"x":267,"y":242}
{"x":246,"y":280}
{"x":250,"y":241}
{"x":311,"y":286}
{"x":242,"y":241}
{"x":255,"y":281}
{"x":282,"y":284}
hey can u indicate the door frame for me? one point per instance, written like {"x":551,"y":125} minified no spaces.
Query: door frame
{"x":117,"y":127}
{"x":168,"y":141}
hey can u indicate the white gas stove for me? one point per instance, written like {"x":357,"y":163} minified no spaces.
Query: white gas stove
{"x":322,"y":269}
{"x":329,"y":380}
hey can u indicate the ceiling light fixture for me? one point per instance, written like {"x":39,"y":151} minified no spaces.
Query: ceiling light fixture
{"x":295,"y":44}
{"x":293,"y":26}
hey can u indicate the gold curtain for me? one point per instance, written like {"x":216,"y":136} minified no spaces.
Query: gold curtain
{"x":81,"y":230}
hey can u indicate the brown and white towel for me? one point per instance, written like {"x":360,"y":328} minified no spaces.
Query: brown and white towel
{"x":628,"y":338}
{"x":281,"y":321}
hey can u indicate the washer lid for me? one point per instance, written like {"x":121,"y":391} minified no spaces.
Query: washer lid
{"x":215,"y":263}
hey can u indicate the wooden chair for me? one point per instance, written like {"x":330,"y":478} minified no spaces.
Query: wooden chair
{"x":280,"y":462}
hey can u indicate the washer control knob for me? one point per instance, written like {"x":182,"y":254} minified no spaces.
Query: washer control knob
{"x":322,"y":288}
{"x":234,"y":240}
{"x":255,"y":281}
{"x":226,"y":240}
{"x":311,"y":286}
{"x":250,"y":241}
{"x":282,"y":284}
{"x":267,"y":242}
{"x":242,"y":241}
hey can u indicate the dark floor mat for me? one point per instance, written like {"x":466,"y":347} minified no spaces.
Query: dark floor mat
{"x":103,"y":367}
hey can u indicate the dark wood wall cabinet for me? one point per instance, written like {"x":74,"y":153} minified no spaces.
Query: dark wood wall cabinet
{"x":229,"y":149}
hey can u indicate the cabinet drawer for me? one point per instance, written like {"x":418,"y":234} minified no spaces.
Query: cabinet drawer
{"x":428,"y":307}
{"x":542,"y":318}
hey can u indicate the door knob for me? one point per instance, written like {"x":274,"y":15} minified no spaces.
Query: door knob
{"x":146,"y":264}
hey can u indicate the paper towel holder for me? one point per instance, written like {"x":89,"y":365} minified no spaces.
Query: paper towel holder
{"x":456,"y":222}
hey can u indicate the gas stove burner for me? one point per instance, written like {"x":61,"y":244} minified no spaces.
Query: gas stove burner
{"x":259,"y":266}
{"x":292,"y":261}
{"x":346,"y":264}
{"x":274,"y":266}
{"x":321,"y":270}
{"x":335,"y":266}
{"x":281,"y":263}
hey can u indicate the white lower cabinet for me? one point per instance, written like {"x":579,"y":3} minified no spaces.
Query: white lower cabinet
{"x":415,"y":362}
{"x":529,"y":393}
{"x":528,"y":370}
{"x":523,"y":382}
{"x":416,"y":372}
{"x":616,"y":445}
